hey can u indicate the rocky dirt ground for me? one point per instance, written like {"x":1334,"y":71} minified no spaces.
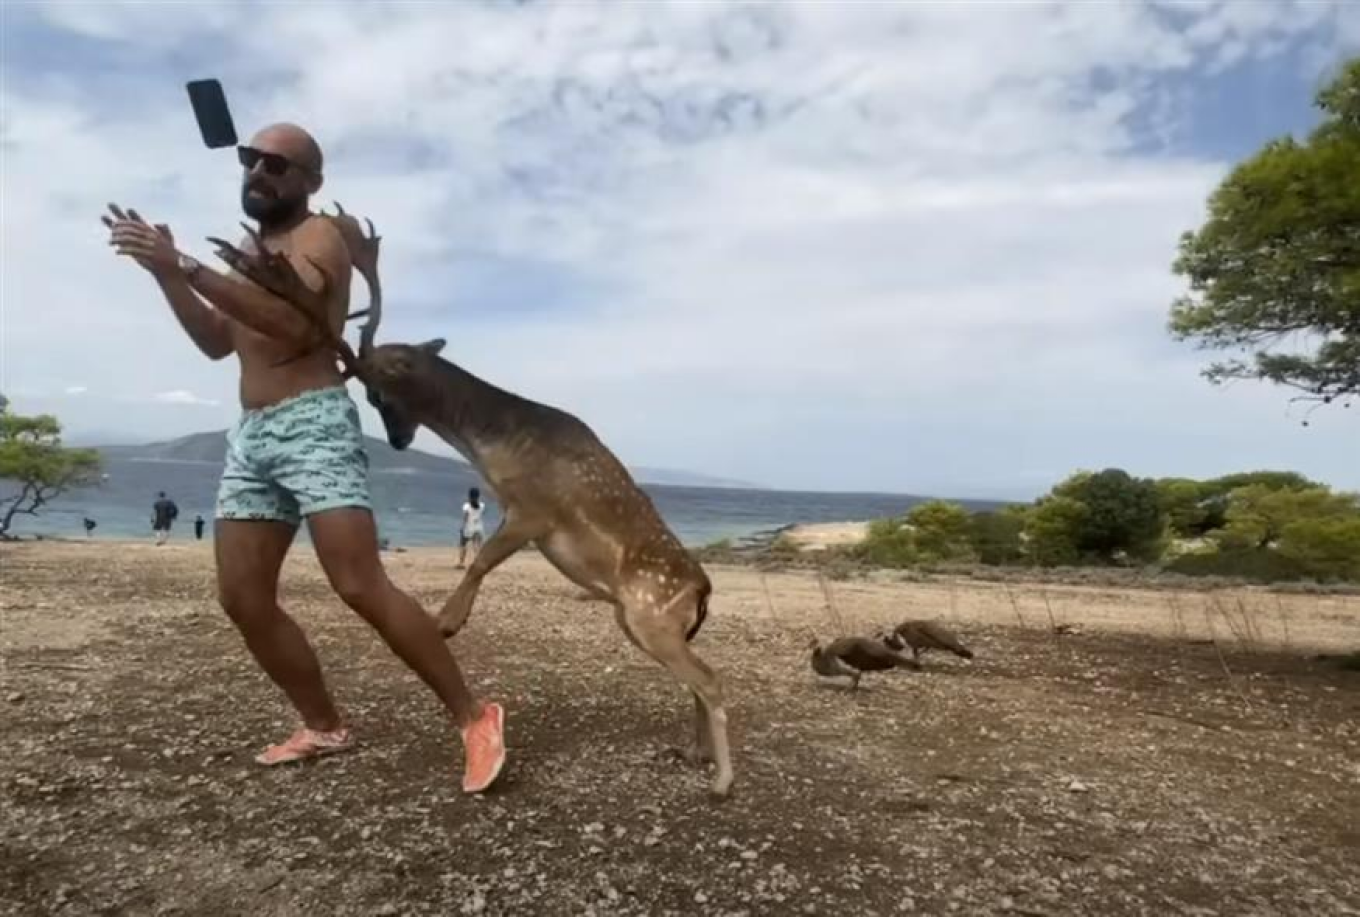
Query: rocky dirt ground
{"x":1107,"y":771}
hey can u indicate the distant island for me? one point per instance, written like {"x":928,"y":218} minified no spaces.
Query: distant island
{"x":211,"y":447}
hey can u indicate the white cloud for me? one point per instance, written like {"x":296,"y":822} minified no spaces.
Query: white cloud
{"x":812,"y":231}
{"x":76,"y":389}
{"x":181,"y":396}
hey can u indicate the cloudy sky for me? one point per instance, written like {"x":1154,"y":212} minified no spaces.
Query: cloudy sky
{"x":847,"y":246}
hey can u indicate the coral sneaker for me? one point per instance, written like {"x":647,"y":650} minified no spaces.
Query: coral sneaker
{"x":484,"y":749}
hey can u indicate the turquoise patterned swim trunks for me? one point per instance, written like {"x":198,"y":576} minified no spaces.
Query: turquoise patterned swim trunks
{"x":295,"y":458}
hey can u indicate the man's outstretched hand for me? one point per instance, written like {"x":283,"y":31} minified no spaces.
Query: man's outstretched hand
{"x":151,"y":247}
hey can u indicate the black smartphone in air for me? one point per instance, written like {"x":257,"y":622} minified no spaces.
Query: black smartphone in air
{"x":210,"y":108}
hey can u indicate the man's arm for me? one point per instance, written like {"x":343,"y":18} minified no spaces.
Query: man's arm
{"x":321,"y":260}
{"x":206,"y":327}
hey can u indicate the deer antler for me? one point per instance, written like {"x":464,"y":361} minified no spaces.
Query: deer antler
{"x":276,"y":274}
{"x":363,"y":255}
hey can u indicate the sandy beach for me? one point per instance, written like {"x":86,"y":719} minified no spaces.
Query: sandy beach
{"x":826,"y":535}
{"x":1175,"y":753}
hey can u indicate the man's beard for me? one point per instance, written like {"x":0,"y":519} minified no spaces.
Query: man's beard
{"x":270,"y":211}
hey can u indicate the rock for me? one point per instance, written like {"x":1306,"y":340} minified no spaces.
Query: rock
{"x":1076,"y":786}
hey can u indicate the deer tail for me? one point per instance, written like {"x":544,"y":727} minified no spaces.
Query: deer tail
{"x":700,"y":615}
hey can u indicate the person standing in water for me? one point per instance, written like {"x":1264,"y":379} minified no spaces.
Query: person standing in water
{"x":472,"y":526}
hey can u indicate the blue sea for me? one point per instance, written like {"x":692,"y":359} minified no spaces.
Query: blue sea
{"x":423,"y":508}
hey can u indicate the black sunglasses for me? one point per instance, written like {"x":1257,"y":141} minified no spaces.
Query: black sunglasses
{"x":274,"y":164}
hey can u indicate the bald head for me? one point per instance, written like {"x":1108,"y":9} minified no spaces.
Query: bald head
{"x":291,"y":142}
{"x":282,"y":171}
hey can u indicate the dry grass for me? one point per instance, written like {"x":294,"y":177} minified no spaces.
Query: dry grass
{"x":1129,"y":769}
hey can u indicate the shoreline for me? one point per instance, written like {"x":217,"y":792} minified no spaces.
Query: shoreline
{"x":814,"y":548}
{"x":767,"y":589}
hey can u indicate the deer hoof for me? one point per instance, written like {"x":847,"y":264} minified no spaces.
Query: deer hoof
{"x":689,"y":754}
{"x":720,"y":790}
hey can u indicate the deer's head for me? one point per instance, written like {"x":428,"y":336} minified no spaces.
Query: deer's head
{"x":400,"y":380}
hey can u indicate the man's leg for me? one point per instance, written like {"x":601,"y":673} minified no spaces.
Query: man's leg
{"x":347,"y":546}
{"x":255,"y":525}
{"x":249,"y":555}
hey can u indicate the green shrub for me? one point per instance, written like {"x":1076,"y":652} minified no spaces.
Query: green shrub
{"x":939,"y":532}
{"x":996,"y":537}
{"x":1258,"y":564}
{"x":888,"y":543}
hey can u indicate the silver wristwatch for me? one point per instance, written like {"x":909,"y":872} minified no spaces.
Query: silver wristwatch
{"x":188,"y":266}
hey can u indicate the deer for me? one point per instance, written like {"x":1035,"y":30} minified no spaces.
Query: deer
{"x":559,"y":486}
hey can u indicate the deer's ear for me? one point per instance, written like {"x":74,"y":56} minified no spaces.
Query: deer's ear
{"x":432,"y":347}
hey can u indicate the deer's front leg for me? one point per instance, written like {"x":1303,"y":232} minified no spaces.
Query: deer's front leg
{"x":509,"y":538}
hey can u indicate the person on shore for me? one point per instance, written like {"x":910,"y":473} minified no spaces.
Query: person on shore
{"x":164,"y":512}
{"x":471,"y":530}
{"x":89,"y":527}
{"x":297,"y":452}
{"x":198,"y":527}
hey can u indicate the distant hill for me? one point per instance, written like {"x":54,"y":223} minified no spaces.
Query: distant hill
{"x":211,"y":447}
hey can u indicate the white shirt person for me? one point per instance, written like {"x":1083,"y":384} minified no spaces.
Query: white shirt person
{"x":471,"y":530}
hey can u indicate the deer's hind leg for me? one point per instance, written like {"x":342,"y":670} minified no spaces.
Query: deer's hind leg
{"x":700,"y":749}
{"x":657,"y":625}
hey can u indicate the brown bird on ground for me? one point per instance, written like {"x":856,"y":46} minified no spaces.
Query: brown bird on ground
{"x":853,"y":656}
{"x":925,"y":635}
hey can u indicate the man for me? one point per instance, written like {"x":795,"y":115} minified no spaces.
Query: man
{"x":472,"y":526}
{"x":199,"y":523}
{"x":297,"y":453}
{"x":163,"y":514}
